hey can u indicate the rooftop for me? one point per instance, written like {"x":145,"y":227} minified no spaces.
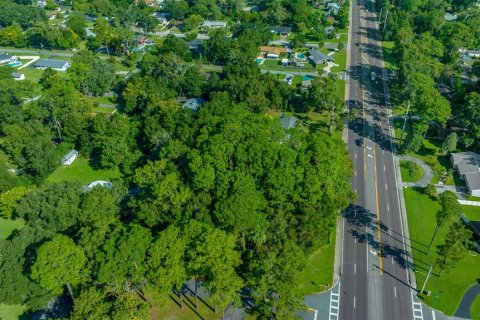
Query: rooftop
{"x":209,"y":24}
{"x":274,"y":50}
{"x":51,"y":63}
{"x":5,"y":56}
{"x":316,"y":55}
{"x":288,"y":122}
{"x":194,"y":103}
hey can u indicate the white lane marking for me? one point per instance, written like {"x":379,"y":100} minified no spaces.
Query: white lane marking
{"x":395,"y":291}
{"x":355,"y":156}
{"x":354,"y":302}
{"x":355,"y":268}
{"x":370,"y":156}
{"x":386,"y":186}
{"x":393,"y":262}
{"x":355,"y":173}
{"x":390,"y":231}
{"x":369,"y":148}
{"x":417,"y":309}
{"x":384,"y":169}
{"x":434,"y":317}
{"x":366,"y":234}
{"x":315,"y":315}
{"x":388,"y":208}
{"x":383,"y":151}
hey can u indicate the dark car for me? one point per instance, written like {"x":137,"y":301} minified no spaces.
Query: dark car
{"x":359,"y":142}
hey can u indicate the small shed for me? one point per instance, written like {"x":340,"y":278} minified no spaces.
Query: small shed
{"x":70,"y":157}
{"x":18,"y":76}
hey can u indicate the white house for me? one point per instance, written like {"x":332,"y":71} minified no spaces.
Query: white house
{"x":70,"y":157}
{"x":59,"y":65}
{"x":100,"y":183}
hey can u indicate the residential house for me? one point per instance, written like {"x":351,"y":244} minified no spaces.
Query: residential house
{"x":213,"y":24}
{"x":288,"y":122}
{"x":467,"y":164}
{"x":318,"y":57}
{"x":272,"y":52}
{"x":18,"y":76}
{"x":281,"y":31}
{"x":475,"y":54}
{"x":450,"y":17}
{"x":41,"y":3}
{"x":98,"y":183}
{"x":70,"y":157}
{"x":59,"y":65}
{"x":193,"y":104}
{"x":195,"y":45}
{"x":5,"y":58}
{"x":332,"y":7}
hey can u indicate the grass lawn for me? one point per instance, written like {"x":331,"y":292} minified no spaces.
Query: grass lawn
{"x":172,"y":311}
{"x":447,"y":287}
{"x":387,"y":48}
{"x":7,"y":226}
{"x":411,"y":171}
{"x":11,"y":312}
{"x":106,"y":100}
{"x":318,"y":273}
{"x":340,"y":59}
{"x":472,"y":212}
{"x":475,"y":309}
{"x":82,"y":172}
{"x":341,"y":89}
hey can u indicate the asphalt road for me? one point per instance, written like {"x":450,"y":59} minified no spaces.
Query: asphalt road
{"x":374,"y":278}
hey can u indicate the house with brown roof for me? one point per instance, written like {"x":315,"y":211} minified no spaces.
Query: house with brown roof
{"x":272,"y":52}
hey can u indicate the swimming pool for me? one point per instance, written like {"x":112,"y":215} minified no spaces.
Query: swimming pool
{"x":259,"y":61}
{"x":15,"y":64}
{"x":307,"y":77}
{"x":300,"y":55}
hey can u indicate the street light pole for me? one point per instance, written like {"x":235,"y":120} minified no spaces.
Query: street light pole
{"x":426,"y":279}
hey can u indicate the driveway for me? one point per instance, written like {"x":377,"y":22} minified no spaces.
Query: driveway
{"x":427,"y":176}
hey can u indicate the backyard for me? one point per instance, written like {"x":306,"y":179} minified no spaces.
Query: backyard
{"x":447,"y":286}
{"x":7,"y":226}
{"x":81,"y":171}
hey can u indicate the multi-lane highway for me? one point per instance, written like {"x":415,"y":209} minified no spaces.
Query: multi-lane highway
{"x":374,"y":279}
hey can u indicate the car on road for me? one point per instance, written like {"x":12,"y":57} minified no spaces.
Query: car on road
{"x":373,"y":75}
{"x":359,"y":142}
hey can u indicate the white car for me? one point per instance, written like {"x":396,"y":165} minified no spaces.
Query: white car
{"x":373,"y":75}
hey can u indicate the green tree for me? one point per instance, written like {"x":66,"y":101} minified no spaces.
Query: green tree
{"x":218,"y":47}
{"x":449,"y":144}
{"x":166,"y":261}
{"x":449,"y":212}
{"x":9,"y":198}
{"x":59,"y":262}
{"x":77,"y":23}
{"x":457,"y":243}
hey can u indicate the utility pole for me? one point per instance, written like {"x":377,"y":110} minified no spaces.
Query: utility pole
{"x":380,"y":15}
{"x":385,"y":22}
{"x":426,"y":279}
{"x":405,"y":122}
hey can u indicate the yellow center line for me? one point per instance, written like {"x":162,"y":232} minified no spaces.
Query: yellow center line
{"x":378,"y":213}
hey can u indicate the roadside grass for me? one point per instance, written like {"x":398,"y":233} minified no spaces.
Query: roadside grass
{"x":472,"y":198}
{"x":11,"y":312}
{"x":447,"y":286}
{"x":341,"y":89}
{"x":411,"y":171}
{"x":475,"y":309}
{"x":7,"y":226}
{"x":81,"y":171}
{"x":388,"y":57}
{"x":318,"y":273}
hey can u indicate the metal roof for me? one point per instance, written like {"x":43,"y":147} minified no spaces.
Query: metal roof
{"x":193,"y":104}
{"x":288,"y":122}
{"x":316,"y":55}
{"x":51,"y":63}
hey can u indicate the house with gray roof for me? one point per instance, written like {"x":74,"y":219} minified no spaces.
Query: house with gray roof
{"x":450,"y":17}
{"x":281,"y":31}
{"x":288,"y":122}
{"x":214,"y":24}
{"x":193,"y":104}
{"x":59,"y":65}
{"x":318,"y":58}
{"x":5,"y":58}
{"x":467,"y":164}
